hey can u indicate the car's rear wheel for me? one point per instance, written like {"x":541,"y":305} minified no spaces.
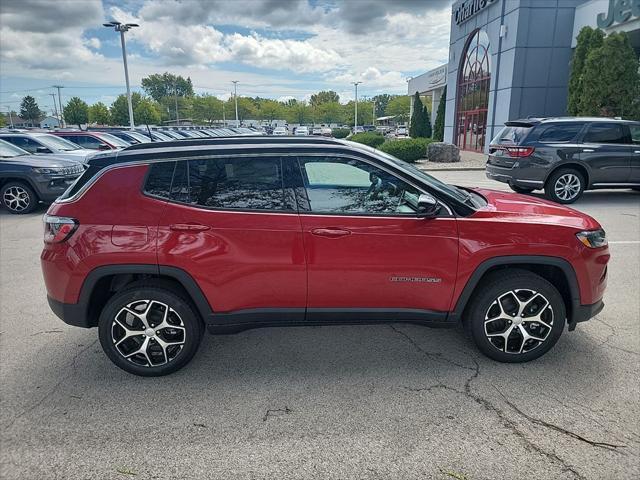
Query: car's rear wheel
{"x":18,"y":198}
{"x":518,"y":189}
{"x":149,"y":331}
{"x":565,"y":185}
{"x":516,"y":316}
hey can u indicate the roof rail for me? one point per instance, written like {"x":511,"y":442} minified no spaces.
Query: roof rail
{"x":240,"y":139}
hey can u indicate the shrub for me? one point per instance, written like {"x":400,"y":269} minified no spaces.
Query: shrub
{"x":409,"y":150}
{"x":372,"y":139}
{"x":340,"y":132}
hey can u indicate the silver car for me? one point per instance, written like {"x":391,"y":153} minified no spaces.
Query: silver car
{"x":39,"y":143}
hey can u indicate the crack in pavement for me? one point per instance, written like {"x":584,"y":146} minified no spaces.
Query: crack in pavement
{"x":53,"y":390}
{"x":610,"y":336}
{"x":490,"y":407}
{"x":275,"y":412}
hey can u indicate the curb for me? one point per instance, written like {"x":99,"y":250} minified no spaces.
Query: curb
{"x":452,"y":169}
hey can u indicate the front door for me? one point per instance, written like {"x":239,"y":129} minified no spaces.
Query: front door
{"x":605,"y":148}
{"x":368,"y":254}
{"x":635,"y":153}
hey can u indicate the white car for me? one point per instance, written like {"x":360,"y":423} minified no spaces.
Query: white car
{"x":38,"y":143}
{"x":316,"y":131}
{"x":326,"y":132}
{"x":402,"y":132}
{"x":280,"y":131}
{"x":302,"y":131}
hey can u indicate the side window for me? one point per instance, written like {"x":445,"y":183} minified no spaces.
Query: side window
{"x":605,"y":133}
{"x":74,"y":139}
{"x":159,"y":179}
{"x":25,"y":143}
{"x":560,"y":132}
{"x":341,"y":185}
{"x":231,"y":183}
{"x":635,"y":134}
{"x":89,"y":142}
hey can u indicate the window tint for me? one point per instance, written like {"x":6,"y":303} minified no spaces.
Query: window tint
{"x":635,"y":134}
{"x":159,"y":179}
{"x":242,"y":183}
{"x":88,"y":142}
{"x":511,"y":134}
{"x":340,"y":185}
{"x":25,"y":143}
{"x":561,"y":132}
{"x":605,"y":133}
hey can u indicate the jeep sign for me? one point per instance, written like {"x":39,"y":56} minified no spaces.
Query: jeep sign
{"x":619,"y":11}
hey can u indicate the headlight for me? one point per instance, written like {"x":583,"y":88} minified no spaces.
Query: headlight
{"x":76,"y":169}
{"x":49,"y":171}
{"x":593,"y":238}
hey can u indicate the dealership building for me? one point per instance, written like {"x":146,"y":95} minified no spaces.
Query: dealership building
{"x":510,"y":59}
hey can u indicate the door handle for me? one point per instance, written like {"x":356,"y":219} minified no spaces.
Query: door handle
{"x":588,"y":150}
{"x":330,"y":232}
{"x":188,"y":227}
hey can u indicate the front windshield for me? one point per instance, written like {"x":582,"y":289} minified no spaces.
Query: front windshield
{"x":8,"y":150}
{"x":113,"y":140}
{"x":58,"y":143}
{"x":450,"y":190}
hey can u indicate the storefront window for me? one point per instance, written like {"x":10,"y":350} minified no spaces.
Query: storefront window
{"x":473,"y":93}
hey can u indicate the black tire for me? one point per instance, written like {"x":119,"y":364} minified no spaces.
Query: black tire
{"x":553,"y":188}
{"x":522,"y":190}
{"x":484,"y":306}
{"x":18,"y":198}
{"x":172,"y":357}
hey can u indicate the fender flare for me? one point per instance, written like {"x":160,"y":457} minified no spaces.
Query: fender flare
{"x":484,"y":267}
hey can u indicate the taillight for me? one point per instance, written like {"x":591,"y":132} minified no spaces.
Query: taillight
{"x":58,"y":229}
{"x":520,"y":151}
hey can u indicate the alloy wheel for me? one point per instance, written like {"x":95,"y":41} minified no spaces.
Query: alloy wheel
{"x":567,"y":186}
{"x":518,"y":321}
{"x":148,"y":333}
{"x":16,"y":198}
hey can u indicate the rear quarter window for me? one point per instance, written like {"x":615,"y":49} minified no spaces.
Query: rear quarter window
{"x":159,"y":179}
{"x":511,"y":135}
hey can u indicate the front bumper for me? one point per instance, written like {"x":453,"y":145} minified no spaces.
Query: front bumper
{"x":51,"y":187}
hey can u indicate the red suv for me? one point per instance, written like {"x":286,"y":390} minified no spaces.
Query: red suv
{"x":158,"y":241}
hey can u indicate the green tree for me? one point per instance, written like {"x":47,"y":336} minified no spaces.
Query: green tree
{"x":325,"y":96}
{"x":420,"y":126}
{"x":270,"y":110}
{"x":120,"y":109}
{"x":399,"y":107}
{"x":99,"y":113}
{"x":382,"y":101}
{"x":611,"y":82}
{"x":29,"y":110}
{"x":146,"y":113}
{"x":329,"y":112}
{"x":3,"y":120}
{"x":76,"y":112}
{"x":438,"y":127}
{"x":158,"y":86}
{"x":206,"y":109}
{"x":587,"y":40}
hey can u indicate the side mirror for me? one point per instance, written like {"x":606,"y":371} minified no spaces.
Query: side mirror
{"x":42,"y":150}
{"x":428,"y":206}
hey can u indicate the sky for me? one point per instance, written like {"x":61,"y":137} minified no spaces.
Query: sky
{"x":276,"y":49}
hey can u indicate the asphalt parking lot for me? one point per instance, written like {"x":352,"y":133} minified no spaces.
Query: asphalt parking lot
{"x":361,"y":402}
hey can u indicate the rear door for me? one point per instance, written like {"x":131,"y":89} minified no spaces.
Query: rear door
{"x":233,"y":226}
{"x":635,"y":153}
{"x":606,"y":149}
{"x":369,"y":255}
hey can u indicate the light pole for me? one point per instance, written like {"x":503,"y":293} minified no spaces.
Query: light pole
{"x":122,"y":28}
{"x":55,"y":107}
{"x":355,"y":120}
{"x":224,"y":118}
{"x":235,"y":97}
{"x":62,"y":124}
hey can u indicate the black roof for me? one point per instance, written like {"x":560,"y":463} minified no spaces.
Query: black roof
{"x":531,"y":121}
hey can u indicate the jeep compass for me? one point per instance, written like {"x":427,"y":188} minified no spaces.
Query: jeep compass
{"x":155,"y":243}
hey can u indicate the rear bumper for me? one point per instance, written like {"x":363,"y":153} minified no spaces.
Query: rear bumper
{"x":582,"y":313}
{"x":521,"y":177}
{"x":70,"y":313}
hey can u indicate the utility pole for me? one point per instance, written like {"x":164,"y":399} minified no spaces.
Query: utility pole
{"x":122,"y":28}
{"x":10,"y":116}
{"x":62,"y":122}
{"x":224,"y":119}
{"x":235,"y":97}
{"x":355,"y":120}
{"x":55,"y":107}
{"x":374,"y":112}
{"x":175,"y":97}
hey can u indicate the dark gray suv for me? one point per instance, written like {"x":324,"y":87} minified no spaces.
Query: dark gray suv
{"x":566,"y":156}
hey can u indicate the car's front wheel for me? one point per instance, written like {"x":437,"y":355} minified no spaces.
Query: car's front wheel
{"x":149,"y":330}
{"x":516,"y":316}
{"x":18,"y":198}
{"x":565,"y":186}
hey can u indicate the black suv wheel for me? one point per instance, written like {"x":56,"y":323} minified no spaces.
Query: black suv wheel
{"x":516,"y":316}
{"x":18,"y":197}
{"x":149,"y":330}
{"x":565,"y":185}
